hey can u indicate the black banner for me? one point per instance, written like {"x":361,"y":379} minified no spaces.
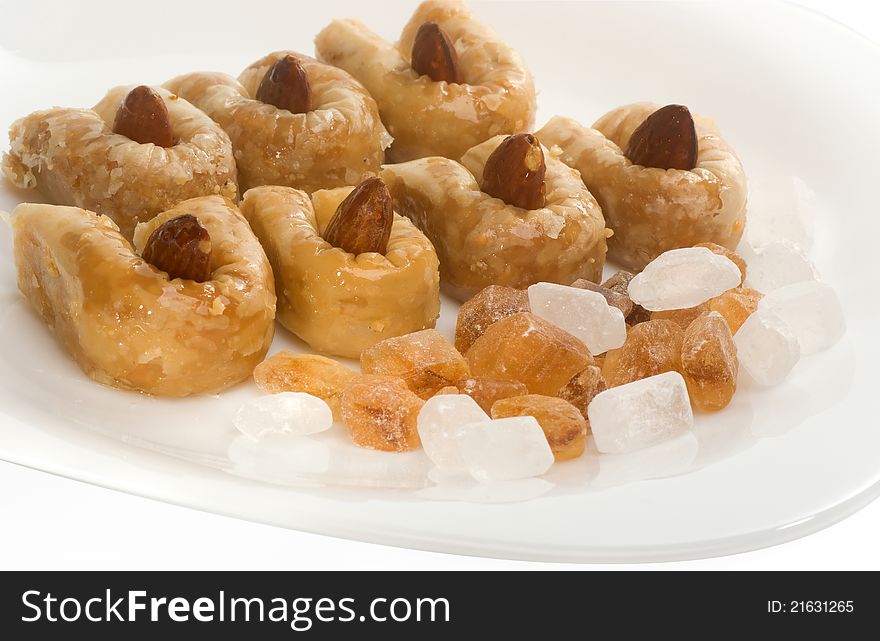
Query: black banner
{"x":334,"y":605}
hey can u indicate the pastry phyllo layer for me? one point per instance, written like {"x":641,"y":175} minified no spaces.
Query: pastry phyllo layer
{"x":189,"y":309}
{"x":139,"y":152}
{"x":508,"y":214}
{"x":293,"y":121}
{"x":348,"y":270}
{"x":665,"y":179}
{"x":449,"y":84}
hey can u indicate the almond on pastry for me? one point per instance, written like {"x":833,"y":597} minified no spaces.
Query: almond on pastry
{"x":138,"y":152}
{"x":450,"y":82}
{"x":293,"y":121}
{"x":338,"y":301}
{"x":508,"y":214}
{"x":665,"y":178}
{"x":135,"y":325}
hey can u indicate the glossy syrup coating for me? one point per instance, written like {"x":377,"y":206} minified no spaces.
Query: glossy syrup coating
{"x":339,"y":142}
{"x":482,"y":241}
{"x":73,"y":157}
{"x":124,"y":322}
{"x":429,"y":118}
{"x":337,"y":302}
{"x":650,"y":209}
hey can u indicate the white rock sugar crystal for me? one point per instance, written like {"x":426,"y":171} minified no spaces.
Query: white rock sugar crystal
{"x":682,"y":278}
{"x":640,"y":414}
{"x":766,"y":348}
{"x":776,"y":265}
{"x":441,"y":422}
{"x":504,"y":449}
{"x":812,"y":310}
{"x":285,"y":413}
{"x":582,"y":313}
{"x":781,"y":208}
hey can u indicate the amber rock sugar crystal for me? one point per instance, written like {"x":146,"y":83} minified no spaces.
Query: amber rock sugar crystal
{"x":651,"y":348}
{"x":527,"y":349}
{"x":309,"y":373}
{"x":488,"y":306}
{"x":425,"y":360}
{"x":381,"y":413}
{"x":709,"y":362}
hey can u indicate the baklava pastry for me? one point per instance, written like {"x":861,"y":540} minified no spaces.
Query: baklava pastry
{"x":508,"y":214}
{"x":138,"y":152}
{"x":293,"y":121}
{"x":449,"y":84}
{"x":197,"y":318}
{"x":665,"y":179}
{"x":349,"y":272}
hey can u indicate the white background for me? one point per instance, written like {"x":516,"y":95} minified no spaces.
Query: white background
{"x":48,"y":522}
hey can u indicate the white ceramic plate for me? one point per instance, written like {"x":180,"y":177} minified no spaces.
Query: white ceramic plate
{"x":794,"y":93}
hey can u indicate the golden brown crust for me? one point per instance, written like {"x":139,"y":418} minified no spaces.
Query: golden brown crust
{"x":430,"y":118}
{"x":73,"y":157}
{"x":124,"y":322}
{"x":340,"y":142}
{"x":482,"y":241}
{"x":652,"y":210}
{"x":337,"y":302}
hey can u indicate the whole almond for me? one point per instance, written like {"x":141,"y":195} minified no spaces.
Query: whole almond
{"x":433,"y":54}
{"x":362,"y":222}
{"x":182,"y":248}
{"x":286,"y":86}
{"x":143,"y":117}
{"x":667,"y":139}
{"x":515,"y":172}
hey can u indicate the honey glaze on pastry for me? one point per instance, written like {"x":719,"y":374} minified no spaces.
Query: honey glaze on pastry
{"x":449,"y":84}
{"x":348,"y":271}
{"x":665,"y":178}
{"x":138,"y":152}
{"x":536,"y":223}
{"x":293,"y":121}
{"x":197,"y":320}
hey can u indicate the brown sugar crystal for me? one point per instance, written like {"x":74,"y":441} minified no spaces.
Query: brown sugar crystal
{"x":736,"y":305}
{"x":424,"y":360}
{"x":651,"y":348}
{"x":709,"y":363}
{"x":486,"y":391}
{"x":381,"y":413}
{"x":488,"y":306}
{"x":310,"y":373}
{"x":563,"y":425}
{"x":582,"y":389}
{"x":528,"y":349}
{"x":683,"y":317}
{"x":615,"y":298}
